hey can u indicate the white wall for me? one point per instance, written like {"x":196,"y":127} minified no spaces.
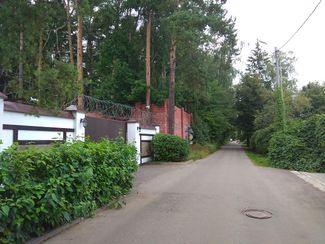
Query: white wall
{"x":133,"y":137}
{"x":16,"y":118}
{"x":79,"y":130}
{"x":7,"y":141}
{"x":40,"y":135}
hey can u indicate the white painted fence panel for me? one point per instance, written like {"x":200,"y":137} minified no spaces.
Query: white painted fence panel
{"x":19,"y":123}
{"x":39,"y":135}
{"x":14,"y":118}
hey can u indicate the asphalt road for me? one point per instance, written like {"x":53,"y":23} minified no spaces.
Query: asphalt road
{"x":202,"y":202}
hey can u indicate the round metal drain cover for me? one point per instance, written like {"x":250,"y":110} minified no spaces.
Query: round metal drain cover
{"x":257,"y":213}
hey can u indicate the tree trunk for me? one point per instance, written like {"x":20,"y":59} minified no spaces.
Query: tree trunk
{"x":39,"y":61}
{"x":40,"y":51}
{"x":69,"y":31}
{"x":148,"y":68}
{"x":171,"y":99}
{"x":79,"y":49}
{"x":20,"y":66}
{"x":90,"y":51}
{"x":79,"y":59}
{"x":90,"y":48}
{"x":163,"y":76}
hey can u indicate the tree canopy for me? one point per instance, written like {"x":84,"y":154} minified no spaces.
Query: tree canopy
{"x":38,"y":47}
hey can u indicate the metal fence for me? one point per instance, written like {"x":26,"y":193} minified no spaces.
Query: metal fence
{"x":112,"y":110}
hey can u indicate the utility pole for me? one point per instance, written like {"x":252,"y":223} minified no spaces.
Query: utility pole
{"x":281,"y":104}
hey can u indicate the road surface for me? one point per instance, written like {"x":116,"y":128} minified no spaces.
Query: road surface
{"x":202,"y":202}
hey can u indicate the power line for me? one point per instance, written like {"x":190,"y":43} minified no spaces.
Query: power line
{"x":293,"y":35}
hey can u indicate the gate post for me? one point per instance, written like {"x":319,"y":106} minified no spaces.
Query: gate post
{"x":133,"y":136}
{"x":80,"y":126}
{"x":80,"y":122}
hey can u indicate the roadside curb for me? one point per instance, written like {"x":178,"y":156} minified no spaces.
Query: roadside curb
{"x":54,"y":232}
{"x":310,"y":179}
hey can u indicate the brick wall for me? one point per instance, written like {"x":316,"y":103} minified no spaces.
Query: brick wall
{"x":160,"y":117}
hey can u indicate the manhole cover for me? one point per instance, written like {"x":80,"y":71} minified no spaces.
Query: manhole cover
{"x":257,"y":213}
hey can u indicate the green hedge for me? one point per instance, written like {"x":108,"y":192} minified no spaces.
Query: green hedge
{"x":260,"y":141}
{"x":287,"y":152}
{"x":44,"y":188}
{"x":302,"y":147}
{"x":170,"y":148}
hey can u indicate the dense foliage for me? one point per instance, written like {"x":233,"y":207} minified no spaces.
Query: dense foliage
{"x":249,"y":100}
{"x":289,"y":131}
{"x":170,"y":148}
{"x":288,"y":152}
{"x":38,"y":54}
{"x":43,"y":188}
{"x":302,"y":146}
{"x":260,"y":140}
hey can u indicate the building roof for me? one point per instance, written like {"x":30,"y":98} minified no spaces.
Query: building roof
{"x":29,"y":109}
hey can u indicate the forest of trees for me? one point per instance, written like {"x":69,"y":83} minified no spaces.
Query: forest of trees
{"x":115,"y":50}
{"x":290,"y":131}
{"x":129,"y":51}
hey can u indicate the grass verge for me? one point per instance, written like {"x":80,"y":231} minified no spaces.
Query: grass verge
{"x":198,"y":151}
{"x":257,"y":159}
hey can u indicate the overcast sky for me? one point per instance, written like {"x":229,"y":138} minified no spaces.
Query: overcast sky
{"x":274,"y":21}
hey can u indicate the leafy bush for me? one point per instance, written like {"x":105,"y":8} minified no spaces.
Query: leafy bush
{"x":300,"y":147}
{"x":260,"y":140}
{"x":312,"y":132}
{"x":319,"y":153}
{"x":288,"y":152}
{"x":42,"y":189}
{"x":170,"y":148}
{"x":320,"y":131}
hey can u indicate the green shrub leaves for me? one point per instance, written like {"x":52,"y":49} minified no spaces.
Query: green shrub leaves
{"x":260,"y":140}
{"x":42,"y":189}
{"x":301,"y":147}
{"x":170,"y":148}
{"x":287,"y":151}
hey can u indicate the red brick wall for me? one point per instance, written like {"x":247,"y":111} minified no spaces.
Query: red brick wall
{"x":160,"y":117}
